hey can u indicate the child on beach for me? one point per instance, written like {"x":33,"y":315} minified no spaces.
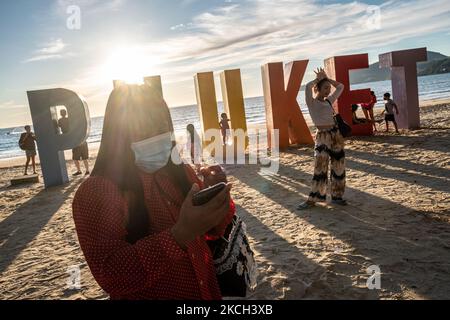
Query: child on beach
{"x":27,"y":143}
{"x":388,"y":111}
{"x":367,"y":108}
{"x":225,"y":127}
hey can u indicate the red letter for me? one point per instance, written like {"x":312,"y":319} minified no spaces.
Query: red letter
{"x":338,"y":68}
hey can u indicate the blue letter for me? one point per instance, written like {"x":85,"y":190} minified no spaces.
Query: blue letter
{"x":51,"y":145}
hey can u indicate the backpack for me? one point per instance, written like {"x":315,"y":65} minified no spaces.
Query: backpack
{"x":22,"y":143}
{"x":343,"y":127}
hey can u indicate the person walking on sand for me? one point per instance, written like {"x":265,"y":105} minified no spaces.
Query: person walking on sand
{"x":329,"y":141}
{"x":27,"y":142}
{"x":367,"y":108}
{"x":224,"y":127}
{"x":79,"y":153}
{"x":388,"y":111}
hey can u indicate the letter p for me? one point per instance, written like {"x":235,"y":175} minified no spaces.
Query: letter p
{"x":50,"y":143}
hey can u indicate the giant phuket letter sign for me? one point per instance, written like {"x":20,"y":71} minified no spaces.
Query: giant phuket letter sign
{"x":281,"y":86}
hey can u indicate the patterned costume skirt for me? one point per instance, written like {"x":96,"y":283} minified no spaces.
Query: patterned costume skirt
{"x":329,"y":145}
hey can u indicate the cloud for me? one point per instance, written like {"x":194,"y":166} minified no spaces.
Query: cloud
{"x":11,"y":105}
{"x":250,"y":33}
{"x":53,"y":47}
{"x":51,"y":50}
{"x":181,"y":26}
{"x":254,"y":32}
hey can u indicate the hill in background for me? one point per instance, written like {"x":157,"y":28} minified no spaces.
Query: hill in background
{"x":437,"y":63}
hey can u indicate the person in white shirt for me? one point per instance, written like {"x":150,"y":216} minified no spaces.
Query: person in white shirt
{"x":329,"y":142}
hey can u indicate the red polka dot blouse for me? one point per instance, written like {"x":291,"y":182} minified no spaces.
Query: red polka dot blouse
{"x":155,"y":267}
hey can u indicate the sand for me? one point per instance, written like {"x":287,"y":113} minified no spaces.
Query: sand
{"x":398,"y":218}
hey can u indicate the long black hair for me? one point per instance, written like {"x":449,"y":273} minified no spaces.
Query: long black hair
{"x":321,"y":83}
{"x":133,"y":110}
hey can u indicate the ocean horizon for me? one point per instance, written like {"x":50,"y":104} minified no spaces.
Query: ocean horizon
{"x":430,"y":87}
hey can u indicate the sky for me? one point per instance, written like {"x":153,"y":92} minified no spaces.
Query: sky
{"x":43,"y":47}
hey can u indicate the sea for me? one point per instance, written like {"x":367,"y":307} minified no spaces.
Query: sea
{"x":430,"y":87}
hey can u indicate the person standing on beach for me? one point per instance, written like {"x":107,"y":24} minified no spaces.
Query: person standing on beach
{"x":193,"y":146}
{"x":224,"y":127}
{"x":140,"y":233}
{"x":79,"y":153}
{"x":367,"y":108}
{"x":27,"y":142}
{"x":329,"y":141}
{"x":388,"y":111}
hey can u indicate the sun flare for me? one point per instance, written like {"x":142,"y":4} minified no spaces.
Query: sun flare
{"x":127,"y":64}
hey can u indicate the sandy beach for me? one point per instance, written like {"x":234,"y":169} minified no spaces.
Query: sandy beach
{"x":398,"y":218}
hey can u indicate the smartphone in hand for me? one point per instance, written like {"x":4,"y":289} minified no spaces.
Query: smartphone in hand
{"x":204,"y":196}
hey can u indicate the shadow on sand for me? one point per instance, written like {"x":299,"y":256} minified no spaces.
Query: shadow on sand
{"x":25,"y":223}
{"x":406,"y":244}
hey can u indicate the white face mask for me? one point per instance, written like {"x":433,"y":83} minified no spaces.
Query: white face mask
{"x":154,"y":153}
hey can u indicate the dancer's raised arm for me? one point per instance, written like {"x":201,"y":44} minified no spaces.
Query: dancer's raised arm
{"x":337,"y":93}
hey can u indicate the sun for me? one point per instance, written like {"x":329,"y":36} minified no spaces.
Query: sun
{"x":127,"y":64}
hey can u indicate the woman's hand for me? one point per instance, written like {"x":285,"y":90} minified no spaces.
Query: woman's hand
{"x":196,"y":221}
{"x":213,"y":175}
{"x":320,"y":74}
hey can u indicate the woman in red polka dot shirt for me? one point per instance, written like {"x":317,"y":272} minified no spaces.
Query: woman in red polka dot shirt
{"x":137,"y":227}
